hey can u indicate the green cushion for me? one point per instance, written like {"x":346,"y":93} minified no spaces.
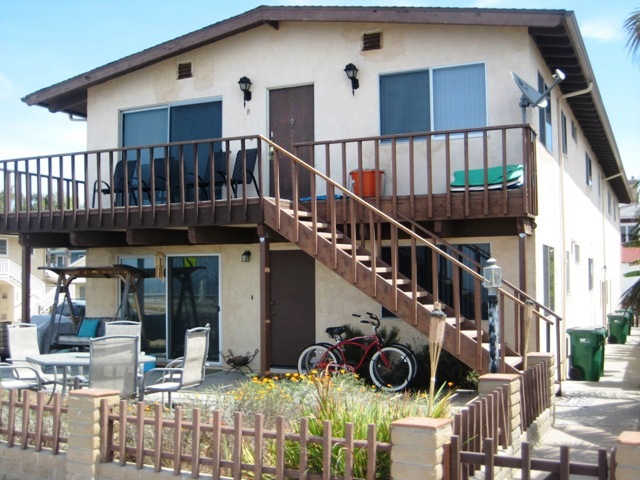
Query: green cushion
{"x":88,"y":327}
{"x":494,"y":176}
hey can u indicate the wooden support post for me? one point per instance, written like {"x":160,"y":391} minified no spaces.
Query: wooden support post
{"x":26,"y":282}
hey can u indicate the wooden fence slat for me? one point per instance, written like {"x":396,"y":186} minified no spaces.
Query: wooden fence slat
{"x":57,"y":423}
{"x":525,"y":462}
{"x":140,"y":435}
{"x":157,"y":432}
{"x":177,"y":439}
{"x":122,"y":435}
{"x":372,"y":450}
{"x":11,"y":418}
{"x":196,"y":435}
{"x":258,"y":446}
{"x":37,"y":439}
{"x":489,"y":446}
{"x":237,"y":445}
{"x":216,"y":443}
{"x":304,"y":454}
{"x":326,"y":450}
{"x":565,"y":467}
{"x":26,"y":407}
{"x":106,"y":432}
{"x":348,"y":454}
{"x":280,"y":439}
{"x":455,"y":457}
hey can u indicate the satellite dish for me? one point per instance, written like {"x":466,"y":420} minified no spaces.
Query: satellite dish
{"x":531,"y":97}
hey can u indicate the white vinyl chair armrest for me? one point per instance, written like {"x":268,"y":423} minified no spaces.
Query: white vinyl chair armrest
{"x":163,"y":374}
{"x":33,"y":377}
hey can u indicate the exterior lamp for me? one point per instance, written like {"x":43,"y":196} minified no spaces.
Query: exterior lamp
{"x":492,"y":274}
{"x":245,"y":86}
{"x":352,"y":74}
{"x":246,"y":256}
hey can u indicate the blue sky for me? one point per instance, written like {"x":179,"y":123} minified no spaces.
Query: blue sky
{"x":43,"y":42}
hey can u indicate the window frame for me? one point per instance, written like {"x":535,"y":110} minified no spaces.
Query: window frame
{"x":588,"y":170}
{"x":6,"y":247}
{"x":431,"y":98}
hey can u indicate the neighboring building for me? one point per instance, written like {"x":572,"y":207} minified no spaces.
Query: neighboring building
{"x":12,"y":278}
{"x":628,"y":220}
{"x":432,"y":104}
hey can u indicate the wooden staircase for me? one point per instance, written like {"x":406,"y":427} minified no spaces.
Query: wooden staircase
{"x":348,"y":258}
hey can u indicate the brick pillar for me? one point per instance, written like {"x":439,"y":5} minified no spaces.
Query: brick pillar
{"x":83,"y":453}
{"x":490,"y":382}
{"x":416,"y":447}
{"x":550,"y":359}
{"x":628,"y":456}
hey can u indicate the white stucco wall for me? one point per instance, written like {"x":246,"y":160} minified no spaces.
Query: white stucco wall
{"x":315,"y":54}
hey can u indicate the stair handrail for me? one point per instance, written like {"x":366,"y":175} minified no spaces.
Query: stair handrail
{"x":384,"y":216}
{"x":476,"y":264}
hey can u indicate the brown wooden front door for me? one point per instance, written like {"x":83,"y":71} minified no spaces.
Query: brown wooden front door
{"x":290,"y":121}
{"x":293,"y":305}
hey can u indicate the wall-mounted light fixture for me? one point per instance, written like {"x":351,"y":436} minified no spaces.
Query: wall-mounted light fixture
{"x":245,"y":86}
{"x":246,"y":256}
{"x":352,"y":74}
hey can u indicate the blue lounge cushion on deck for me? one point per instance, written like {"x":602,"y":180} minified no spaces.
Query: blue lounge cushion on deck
{"x":320,"y":198}
{"x":515,"y":176}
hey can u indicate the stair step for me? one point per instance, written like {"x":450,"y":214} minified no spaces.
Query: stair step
{"x":420,"y":294}
{"x":330,"y":235}
{"x":301,"y":213}
{"x":344,"y":246}
{"x":399,"y":281}
{"x":513,"y":361}
{"x":363,"y":258}
{"x":321,"y":225}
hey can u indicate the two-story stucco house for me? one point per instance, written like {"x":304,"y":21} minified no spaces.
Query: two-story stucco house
{"x":279,"y":170}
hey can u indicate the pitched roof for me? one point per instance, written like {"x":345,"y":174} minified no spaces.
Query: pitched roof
{"x":555,"y":32}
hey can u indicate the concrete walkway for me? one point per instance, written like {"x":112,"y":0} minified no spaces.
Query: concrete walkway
{"x":591,"y":415}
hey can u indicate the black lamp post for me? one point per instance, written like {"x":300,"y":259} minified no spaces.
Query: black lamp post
{"x":492,"y":274}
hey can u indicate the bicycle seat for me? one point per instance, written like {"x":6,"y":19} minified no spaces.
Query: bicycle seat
{"x":335,"y":331}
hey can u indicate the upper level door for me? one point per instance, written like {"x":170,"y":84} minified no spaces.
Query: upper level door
{"x":291,"y":120}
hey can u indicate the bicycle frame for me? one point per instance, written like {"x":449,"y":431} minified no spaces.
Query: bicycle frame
{"x":367,"y":346}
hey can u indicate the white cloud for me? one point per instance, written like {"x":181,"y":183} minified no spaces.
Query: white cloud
{"x":603,"y":29}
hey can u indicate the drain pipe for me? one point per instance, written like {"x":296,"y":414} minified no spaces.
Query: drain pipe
{"x":563,"y":232}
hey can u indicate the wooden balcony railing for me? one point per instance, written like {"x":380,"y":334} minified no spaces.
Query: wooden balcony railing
{"x":118,"y":187}
{"x":419,"y":168}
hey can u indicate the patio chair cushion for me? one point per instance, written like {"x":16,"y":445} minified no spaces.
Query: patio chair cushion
{"x":89,"y":327}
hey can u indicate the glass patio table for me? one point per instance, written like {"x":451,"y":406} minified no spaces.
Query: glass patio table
{"x":66,"y":360}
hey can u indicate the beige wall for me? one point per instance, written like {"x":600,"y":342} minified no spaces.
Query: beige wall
{"x":315,"y":54}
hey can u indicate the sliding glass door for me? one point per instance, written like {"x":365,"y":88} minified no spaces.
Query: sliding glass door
{"x":193,"y":291}
{"x":188,"y":297}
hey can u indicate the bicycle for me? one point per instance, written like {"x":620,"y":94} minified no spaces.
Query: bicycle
{"x":391,"y":368}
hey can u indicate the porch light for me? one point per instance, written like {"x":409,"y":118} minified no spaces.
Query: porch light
{"x":245,"y":86}
{"x":492,"y":274}
{"x":246,"y":256}
{"x":352,"y":74}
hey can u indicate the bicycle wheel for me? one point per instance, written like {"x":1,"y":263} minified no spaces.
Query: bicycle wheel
{"x":410,"y":355}
{"x":316,"y":357}
{"x":391,"y":369}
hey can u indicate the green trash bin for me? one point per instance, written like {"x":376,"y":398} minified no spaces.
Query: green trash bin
{"x":618,"y":327}
{"x":587,"y":353}
{"x":628,"y":313}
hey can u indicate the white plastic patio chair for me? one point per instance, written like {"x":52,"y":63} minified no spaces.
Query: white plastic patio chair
{"x":23,"y":342}
{"x":185,"y":372}
{"x":114,"y":364}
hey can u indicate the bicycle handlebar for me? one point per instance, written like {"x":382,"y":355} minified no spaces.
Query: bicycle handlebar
{"x":373,"y":320}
